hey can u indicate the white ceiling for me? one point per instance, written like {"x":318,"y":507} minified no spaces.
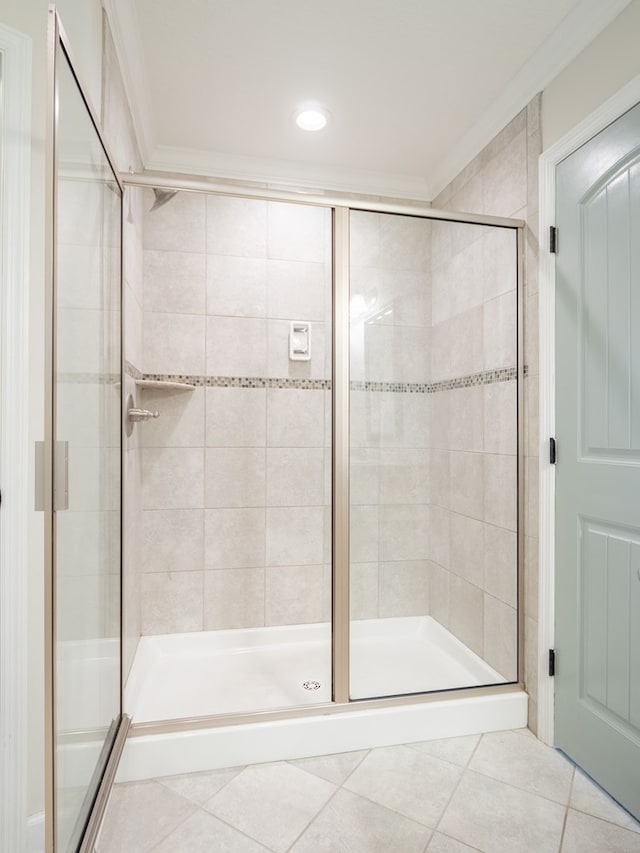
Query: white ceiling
{"x":415,"y":87}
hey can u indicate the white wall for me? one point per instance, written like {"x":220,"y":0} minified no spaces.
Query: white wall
{"x":610,"y":61}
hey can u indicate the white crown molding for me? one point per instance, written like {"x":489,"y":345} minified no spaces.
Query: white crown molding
{"x":573,"y":34}
{"x":608,"y":112}
{"x":16,"y":50}
{"x":286,"y":173}
{"x":124,"y":30}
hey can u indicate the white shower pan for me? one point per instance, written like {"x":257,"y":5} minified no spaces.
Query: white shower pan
{"x":182,"y":676}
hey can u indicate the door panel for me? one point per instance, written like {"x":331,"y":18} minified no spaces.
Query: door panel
{"x":87,"y":461}
{"x":598,"y":475}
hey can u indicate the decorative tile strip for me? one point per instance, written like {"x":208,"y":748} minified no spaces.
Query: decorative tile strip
{"x":89,"y":378}
{"x":132,"y":371}
{"x":485,"y":377}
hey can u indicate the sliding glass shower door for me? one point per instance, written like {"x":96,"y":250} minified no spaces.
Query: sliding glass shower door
{"x":433,"y":454}
{"x":86,"y":554}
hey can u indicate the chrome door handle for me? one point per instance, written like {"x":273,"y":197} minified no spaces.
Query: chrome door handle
{"x":136,"y":415}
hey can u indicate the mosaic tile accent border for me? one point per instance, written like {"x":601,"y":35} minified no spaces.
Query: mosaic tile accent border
{"x":485,"y":377}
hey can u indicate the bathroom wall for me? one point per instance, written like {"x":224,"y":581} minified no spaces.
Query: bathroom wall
{"x":503,"y":180}
{"x":235,"y":472}
{"x":390,"y":415}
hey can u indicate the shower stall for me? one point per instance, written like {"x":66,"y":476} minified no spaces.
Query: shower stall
{"x":281,"y":475}
{"x":326,"y":510}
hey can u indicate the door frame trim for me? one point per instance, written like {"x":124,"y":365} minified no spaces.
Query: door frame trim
{"x":622,"y":101}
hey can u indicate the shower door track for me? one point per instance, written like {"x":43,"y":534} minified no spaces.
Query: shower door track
{"x":341,"y":205}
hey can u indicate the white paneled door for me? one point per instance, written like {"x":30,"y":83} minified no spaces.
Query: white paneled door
{"x":597,"y":699}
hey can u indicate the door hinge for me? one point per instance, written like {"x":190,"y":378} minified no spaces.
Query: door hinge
{"x":553,"y":451}
{"x":553,"y":239}
{"x":552,"y":662}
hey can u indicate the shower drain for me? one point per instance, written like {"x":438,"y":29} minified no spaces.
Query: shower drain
{"x":311,"y":685}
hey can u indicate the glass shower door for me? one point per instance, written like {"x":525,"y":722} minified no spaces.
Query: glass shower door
{"x":86,"y":462}
{"x":433,"y":454}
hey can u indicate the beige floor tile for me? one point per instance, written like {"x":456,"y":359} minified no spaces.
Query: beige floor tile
{"x":334,"y":768}
{"x":200,"y":787}
{"x":587,"y":797}
{"x":518,"y":758}
{"x":443,"y":844}
{"x":497,"y":818}
{"x":204,"y":833}
{"x":271,"y":803}
{"x":407,"y":781}
{"x":586,"y":834}
{"x":457,"y":750}
{"x":140,"y":815}
{"x":351,"y":824}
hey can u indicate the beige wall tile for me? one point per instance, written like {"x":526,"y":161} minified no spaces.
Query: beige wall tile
{"x":500,"y":417}
{"x":181,"y":421}
{"x":500,"y":262}
{"x":173,"y":344}
{"x":293,"y":595}
{"x":466,"y":431}
{"x":177,"y":226}
{"x":404,"y":588}
{"x":295,"y":476}
{"x":296,"y":232}
{"x":236,"y":346}
{"x":236,"y":286}
{"x":404,"y":476}
{"x":234,"y":538}
{"x":440,"y":536}
{"x":296,"y":290}
{"x":440,"y":595}
{"x":404,"y":243}
{"x":295,"y":418}
{"x":174,"y":282}
{"x":236,"y":226}
{"x":505,"y":178}
{"x":501,"y":637}
{"x":364,"y":475}
{"x":467,"y":613}
{"x":363,"y":595}
{"x":234,"y":598}
{"x":404,"y":532}
{"x":364,"y":239}
{"x":467,"y":541}
{"x":172,"y":478}
{"x":236,"y":417}
{"x":500,"y":342}
{"x":501,"y":563}
{"x":171,"y":602}
{"x":279,"y":364}
{"x":294,"y":536}
{"x":235,"y":477}
{"x":172,"y":540}
{"x":467,"y":481}
{"x":364,"y":533}
{"x":440,"y":478}
{"x":500,"y":490}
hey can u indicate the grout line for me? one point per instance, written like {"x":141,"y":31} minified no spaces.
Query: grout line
{"x":566,"y":811}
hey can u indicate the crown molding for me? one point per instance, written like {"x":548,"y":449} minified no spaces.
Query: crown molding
{"x":285,"y":173}
{"x":124,"y":31}
{"x":575,"y":32}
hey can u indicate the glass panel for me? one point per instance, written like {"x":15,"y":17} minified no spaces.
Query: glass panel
{"x":235,"y":490}
{"x":87,"y":434}
{"x":433,"y":455}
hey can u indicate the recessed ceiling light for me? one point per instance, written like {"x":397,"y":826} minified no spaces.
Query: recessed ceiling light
{"x":311,"y":119}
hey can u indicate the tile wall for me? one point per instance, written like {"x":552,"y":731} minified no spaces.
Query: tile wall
{"x":235,"y":472}
{"x":503,"y":180}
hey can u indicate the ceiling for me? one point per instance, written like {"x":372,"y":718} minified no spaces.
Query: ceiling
{"x":415,"y":88}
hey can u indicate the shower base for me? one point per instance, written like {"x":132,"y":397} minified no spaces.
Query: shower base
{"x":225,"y":672}
{"x":177,"y":676}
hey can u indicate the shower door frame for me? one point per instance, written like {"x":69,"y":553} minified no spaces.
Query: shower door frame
{"x":57,"y":41}
{"x":341,"y":206}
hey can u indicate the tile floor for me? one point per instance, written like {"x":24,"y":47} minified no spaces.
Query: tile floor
{"x":497,"y":792}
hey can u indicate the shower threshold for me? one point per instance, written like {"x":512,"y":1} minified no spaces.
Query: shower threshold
{"x":177,"y":676}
